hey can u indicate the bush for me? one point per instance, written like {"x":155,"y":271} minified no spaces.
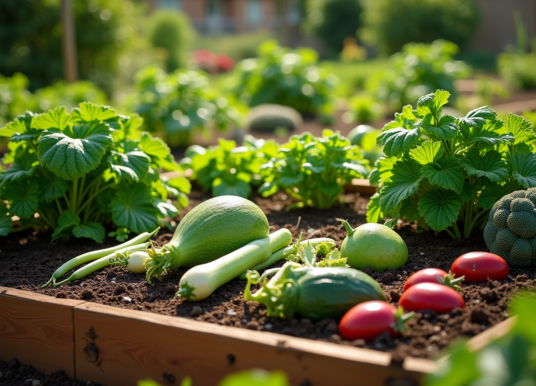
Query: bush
{"x":83,"y":170}
{"x":15,"y":98}
{"x":363,"y":109}
{"x":176,"y":105}
{"x":332,"y":21}
{"x":236,"y":46}
{"x":69,"y":95}
{"x":390,"y":24}
{"x":518,"y":69}
{"x":30,"y":32}
{"x":419,"y":69}
{"x":286,"y":77}
{"x":171,"y":31}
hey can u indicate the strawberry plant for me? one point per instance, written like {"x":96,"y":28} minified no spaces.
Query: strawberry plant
{"x":445,"y":172}
{"x":176,"y":105}
{"x":73,"y":173}
{"x":314,"y":170}
{"x":230,"y":170}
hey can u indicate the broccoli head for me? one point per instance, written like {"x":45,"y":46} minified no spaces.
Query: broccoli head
{"x":511,"y":228}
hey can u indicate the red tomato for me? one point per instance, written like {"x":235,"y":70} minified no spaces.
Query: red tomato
{"x":479,"y":266}
{"x":369,"y":319}
{"x":428,"y":275}
{"x":431,"y":296}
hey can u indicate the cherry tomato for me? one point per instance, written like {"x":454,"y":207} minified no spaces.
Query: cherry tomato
{"x":479,"y":266}
{"x":368,"y":320}
{"x":431,"y":296}
{"x":428,"y":275}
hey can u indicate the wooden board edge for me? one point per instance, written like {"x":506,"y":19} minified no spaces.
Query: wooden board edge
{"x":481,"y":340}
{"x":33,"y":296}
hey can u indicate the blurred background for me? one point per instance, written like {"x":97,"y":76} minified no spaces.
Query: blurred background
{"x":196,"y":70}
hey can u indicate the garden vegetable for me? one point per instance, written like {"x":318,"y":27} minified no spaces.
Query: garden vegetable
{"x":434,"y":275}
{"x":94,"y":255}
{"x":211,"y":230}
{"x":480,"y":266}
{"x":201,"y":281}
{"x":511,"y":228}
{"x":431,"y":296}
{"x":313,"y":292}
{"x":135,"y":261}
{"x":285,"y":252}
{"x":370,"y":319}
{"x":374,"y":245}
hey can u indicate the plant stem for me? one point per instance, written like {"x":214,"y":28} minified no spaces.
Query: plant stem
{"x":90,"y":199}
{"x":456,"y":230}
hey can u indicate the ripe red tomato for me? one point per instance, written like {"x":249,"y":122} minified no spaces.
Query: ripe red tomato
{"x":479,"y":266}
{"x":431,"y":296}
{"x":368,"y":320}
{"x":428,"y":275}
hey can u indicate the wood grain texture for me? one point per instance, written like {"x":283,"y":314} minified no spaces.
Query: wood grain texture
{"x":153,"y":345}
{"x":37,"y":330}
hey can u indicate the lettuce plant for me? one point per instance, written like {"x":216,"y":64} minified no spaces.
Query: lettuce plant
{"x":176,"y":105}
{"x":73,"y":173}
{"x":314,"y":170}
{"x":446,"y":172}
{"x":230,"y":170}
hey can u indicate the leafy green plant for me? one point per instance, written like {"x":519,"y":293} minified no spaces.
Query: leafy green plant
{"x":363,"y":109}
{"x":82,"y":170}
{"x":230,"y":170}
{"x":314,"y":170}
{"x":308,"y":255}
{"x":69,"y":95}
{"x":15,"y":98}
{"x":447,"y":172}
{"x":417,"y":70}
{"x":120,"y":234}
{"x":390,"y":24}
{"x":286,"y":77}
{"x":506,"y":361}
{"x":176,"y":105}
{"x":255,"y":377}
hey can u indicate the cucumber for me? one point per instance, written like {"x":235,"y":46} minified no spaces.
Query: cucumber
{"x":313,"y":292}
{"x":211,"y":230}
{"x":201,"y":281}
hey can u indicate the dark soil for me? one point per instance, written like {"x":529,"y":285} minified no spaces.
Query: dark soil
{"x":28,"y":259}
{"x":13,"y":373}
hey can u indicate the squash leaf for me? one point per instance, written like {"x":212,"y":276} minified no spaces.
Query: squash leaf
{"x":132,"y":208}
{"x":24,"y":198}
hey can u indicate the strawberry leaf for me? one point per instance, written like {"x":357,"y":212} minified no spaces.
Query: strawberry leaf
{"x":446,"y":129}
{"x":440,"y":208}
{"x":520,"y":128}
{"x":374,"y":210}
{"x":399,"y":140}
{"x":404,"y":182}
{"x":490,"y":165}
{"x":427,"y":153}
{"x":524,"y":169}
{"x":445,"y":172}
{"x":53,"y":119}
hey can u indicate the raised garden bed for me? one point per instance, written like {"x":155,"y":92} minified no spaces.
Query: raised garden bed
{"x":152,"y":344}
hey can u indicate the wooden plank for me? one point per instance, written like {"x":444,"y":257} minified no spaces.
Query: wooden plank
{"x":362,"y":186}
{"x":499,"y":330}
{"x":516,"y":107}
{"x":37,"y":329}
{"x":153,"y":345}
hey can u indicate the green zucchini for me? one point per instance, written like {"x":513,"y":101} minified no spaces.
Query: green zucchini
{"x":284,"y":252}
{"x":201,"y":281}
{"x":211,"y":230}
{"x":313,"y":292}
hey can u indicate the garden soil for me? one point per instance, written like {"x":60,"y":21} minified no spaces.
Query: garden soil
{"x":28,"y":259}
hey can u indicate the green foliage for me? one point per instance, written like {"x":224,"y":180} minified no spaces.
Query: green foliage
{"x":308,"y":256}
{"x":518,"y":69}
{"x":363,"y":109}
{"x":82,"y":170}
{"x":238,"y":46}
{"x":15,"y":98}
{"x":314,"y":170}
{"x":31,"y":34}
{"x":230,"y":170}
{"x":454,"y":168}
{"x":286,"y":77}
{"x":509,"y":360}
{"x":332,"y":21}
{"x":176,"y":105}
{"x":243,"y":378}
{"x":171,"y":30}
{"x":390,"y":24}
{"x":69,"y":95}
{"x":417,"y":70}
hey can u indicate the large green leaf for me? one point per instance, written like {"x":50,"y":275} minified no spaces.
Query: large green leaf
{"x":24,"y":197}
{"x":445,"y":172}
{"x":477,"y":117}
{"x":5,"y":221}
{"x":52,"y":119}
{"x":72,"y":153}
{"x":133,"y":166}
{"x":490,"y":132}
{"x":524,"y":169}
{"x":440,"y":208}
{"x":66,"y":221}
{"x":52,"y":188}
{"x":403,"y":183}
{"x":166,"y":209}
{"x":374,"y":211}
{"x":398,"y":140}
{"x":489,"y":165}
{"x":432,"y":103}
{"x":490,"y":194}
{"x":22,"y":168}
{"x":21,"y":129}
{"x":90,"y":230}
{"x":427,"y":153}
{"x":446,"y":129}
{"x":88,"y":112}
{"x":382,"y":171}
{"x":154,"y":147}
{"x":132,"y":208}
{"x":235,"y":188}
{"x":180,"y":183}
{"x":520,"y":128}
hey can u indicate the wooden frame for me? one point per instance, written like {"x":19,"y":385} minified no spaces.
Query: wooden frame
{"x":109,"y":345}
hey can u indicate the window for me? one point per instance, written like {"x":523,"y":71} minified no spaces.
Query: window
{"x":253,"y":12}
{"x":174,"y":4}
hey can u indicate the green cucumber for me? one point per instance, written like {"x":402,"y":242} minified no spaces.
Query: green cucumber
{"x":313,"y":292}
{"x":211,"y":230}
{"x":284,"y":252}
{"x":201,"y":281}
